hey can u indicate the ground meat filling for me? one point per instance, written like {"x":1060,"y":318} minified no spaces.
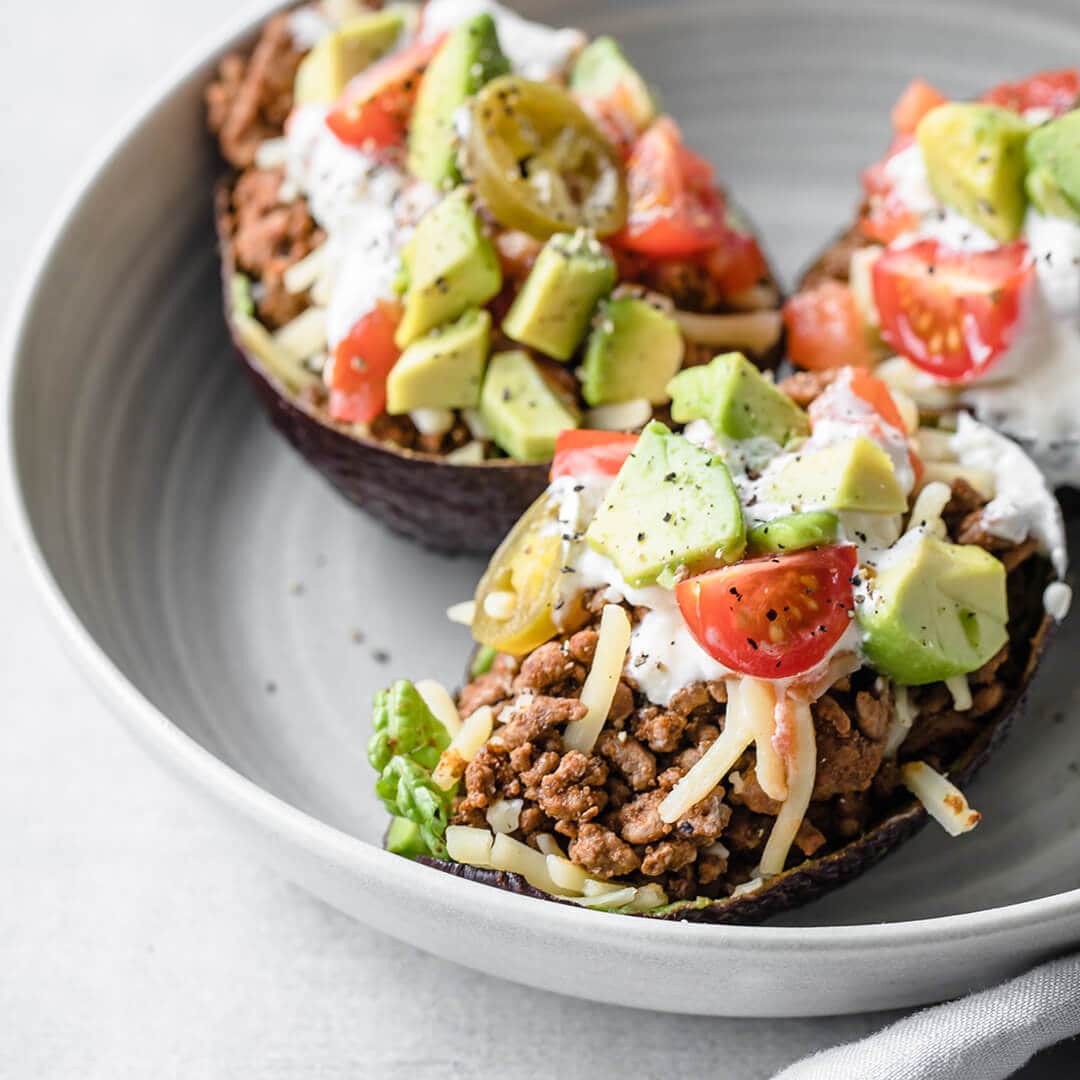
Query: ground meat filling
{"x":603,"y":806}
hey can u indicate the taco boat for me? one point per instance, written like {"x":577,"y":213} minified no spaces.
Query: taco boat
{"x":724,"y":669}
{"x":960,"y":276}
{"x":449,"y":233}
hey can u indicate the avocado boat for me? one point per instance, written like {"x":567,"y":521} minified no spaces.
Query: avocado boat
{"x":725,"y":669}
{"x":449,"y":234}
{"x":959,"y":278}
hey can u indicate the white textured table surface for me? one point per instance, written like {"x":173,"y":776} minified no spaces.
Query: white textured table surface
{"x":135,"y":939}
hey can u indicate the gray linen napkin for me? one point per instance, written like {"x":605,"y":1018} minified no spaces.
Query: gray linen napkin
{"x":986,"y":1036}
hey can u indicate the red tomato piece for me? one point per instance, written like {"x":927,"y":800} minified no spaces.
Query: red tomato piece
{"x":773,"y":617}
{"x":1057,"y":91}
{"x":358,"y":367}
{"x":918,"y":98}
{"x":675,"y":208}
{"x":374,"y":109}
{"x":886,"y":215}
{"x":579,"y":452}
{"x":825,"y":329}
{"x":737,"y":263}
{"x":951,"y":313}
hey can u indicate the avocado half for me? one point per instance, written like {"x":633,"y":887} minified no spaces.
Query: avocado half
{"x":456,"y":508}
{"x":815,"y":877}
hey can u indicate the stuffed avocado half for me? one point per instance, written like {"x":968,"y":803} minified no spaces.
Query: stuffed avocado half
{"x":960,"y":277}
{"x":725,"y":668}
{"x":453,"y":233}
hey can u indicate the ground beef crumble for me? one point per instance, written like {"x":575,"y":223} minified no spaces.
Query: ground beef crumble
{"x":603,"y":806}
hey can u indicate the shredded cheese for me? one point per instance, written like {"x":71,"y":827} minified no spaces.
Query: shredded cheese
{"x":961,"y":692}
{"x":470,"y":846}
{"x":600,"y":684}
{"x":566,"y":874}
{"x":756,"y":331}
{"x":548,"y":844}
{"x":747,"y":887}
{"x":594,"y":887}
{"x":648,"y":897}
{"x":904,"y":713}
{"x":757,"y":702}
{"x":926,"y":513}
{"x":860,"y":277}
{"x":504,"y":815}
{"x":935,"y":445}
{"x":517,"y":858}
{"x":802,"y":770}
{"x":304,"y":336}
{"x":432,"y":421}
{"x":474,"y":732}
{"x":943,"y":800}
{"x":438,"y":700}
{"x":714,"y":765}
{"x":472,"y":453}
{"x":622,"y":416}
{"x":617,"y":899}
{"x":462,"y":613}
{"x":302,"y":275}
{"x":945,"y":472}
{"x":271,"y":154}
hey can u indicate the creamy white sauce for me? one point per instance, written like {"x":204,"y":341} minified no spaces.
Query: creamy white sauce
{"x":534,"y":50}
{"x":1057,"y":599}
{"x":1032,"y":391}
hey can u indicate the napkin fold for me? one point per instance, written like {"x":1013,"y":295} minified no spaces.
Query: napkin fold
{"x":986,"y":1036}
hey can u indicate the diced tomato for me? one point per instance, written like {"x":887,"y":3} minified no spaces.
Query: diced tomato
{"x":951,"y":313}
{"x":918,"y":98}
{"x":886,"y":216}
{"x":674,"y":206}
{"x":825,"y":329}
{"x":613,"y":115}
{"x":773,"y":617}
{"x":374,"y":109}
{"x":357,"y":369}
{"x":1057,"y":91}
{"x":580,"y":452}
{"x":737,"y":263}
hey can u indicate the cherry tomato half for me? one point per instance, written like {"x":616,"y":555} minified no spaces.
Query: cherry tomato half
{"x":736,"y":263}
{"x":951,"y":313}
{"x":674,"y":206}
{"x":773,"y":617}
{"x":1057,"y":91}
{"x":825,"y":329}
{"x":583,"y":452}
{"x":357,"y":369}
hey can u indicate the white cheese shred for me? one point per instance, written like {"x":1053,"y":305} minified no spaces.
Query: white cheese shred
{"x":304,"y":336}
{"x":926,"y":513}
{"x":961,"y":692}
{"x":757,"y":700}
{"x":802,"y":770}
{"x":514,"y":857}
{"x":475,"y":731}
{"x":600,"y":684}
{"x":943,"y":800}
{"x":469,"y":846}
{"x":437,"y":698}
{"x":756,"y":331}
{"x":504,"y":815}
{"x":904,"y":713}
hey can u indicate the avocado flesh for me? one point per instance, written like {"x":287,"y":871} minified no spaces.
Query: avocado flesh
{"x":1053,"y":158}
{"x":634,"y":349}
{"x":672,"y":504}
{"x":469,"y":58}
{"x":343,"y":54}
{"x":975,"y":163}
{"x":737,"y":401}
{"x":522,"y":412}
{"x":450,"y":265}
{"x":602,"y":69}
{"x":443,"y":369}
{"x":937,"y":610}
{"x":551,"y":312}
{"x":852,"y":475}
{"x":793,"y":532}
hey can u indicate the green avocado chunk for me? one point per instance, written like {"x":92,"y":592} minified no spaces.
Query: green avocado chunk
{"x":602,"y":70}
{"x":737,"y":400}
{"x":852,"y":475}
{"x":450,"y":265}
{"x":552,"y":311}
{"x":935,"y":610}
{"x":443,"y":369}
{"x":671,"y":505}
{"x":975,"y":163}
{"x":522,"y":412}
{"x":469,"y":58}
{"x":634,"y":349}
{"x":1053,"y":158}
{"x":344,"y":53}
{"x":793,"y":532}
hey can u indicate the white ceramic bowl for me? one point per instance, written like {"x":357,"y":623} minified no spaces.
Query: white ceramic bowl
{"x":238,"y":616}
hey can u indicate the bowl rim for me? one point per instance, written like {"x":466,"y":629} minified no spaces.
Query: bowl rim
{"x":286,"y":823}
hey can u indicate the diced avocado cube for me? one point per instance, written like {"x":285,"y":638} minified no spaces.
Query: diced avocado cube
{"x":672,"y":504}
{"x":737,"y":400}
{"x":451,"y":267}
{"x":852,"y":475}
{"x":344,"y":53}
{"x":1053,"y":158}
{"x":520,"y":409}
{"x":934,"y":610}
{"x":634,"y":349}
{"x":443,"y":369}
{"x":793,"y":532}
{"x":552,"y":311}
{"x":602,"y":71}
{"x":469,"y":58}
{"x":975,"y":163}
